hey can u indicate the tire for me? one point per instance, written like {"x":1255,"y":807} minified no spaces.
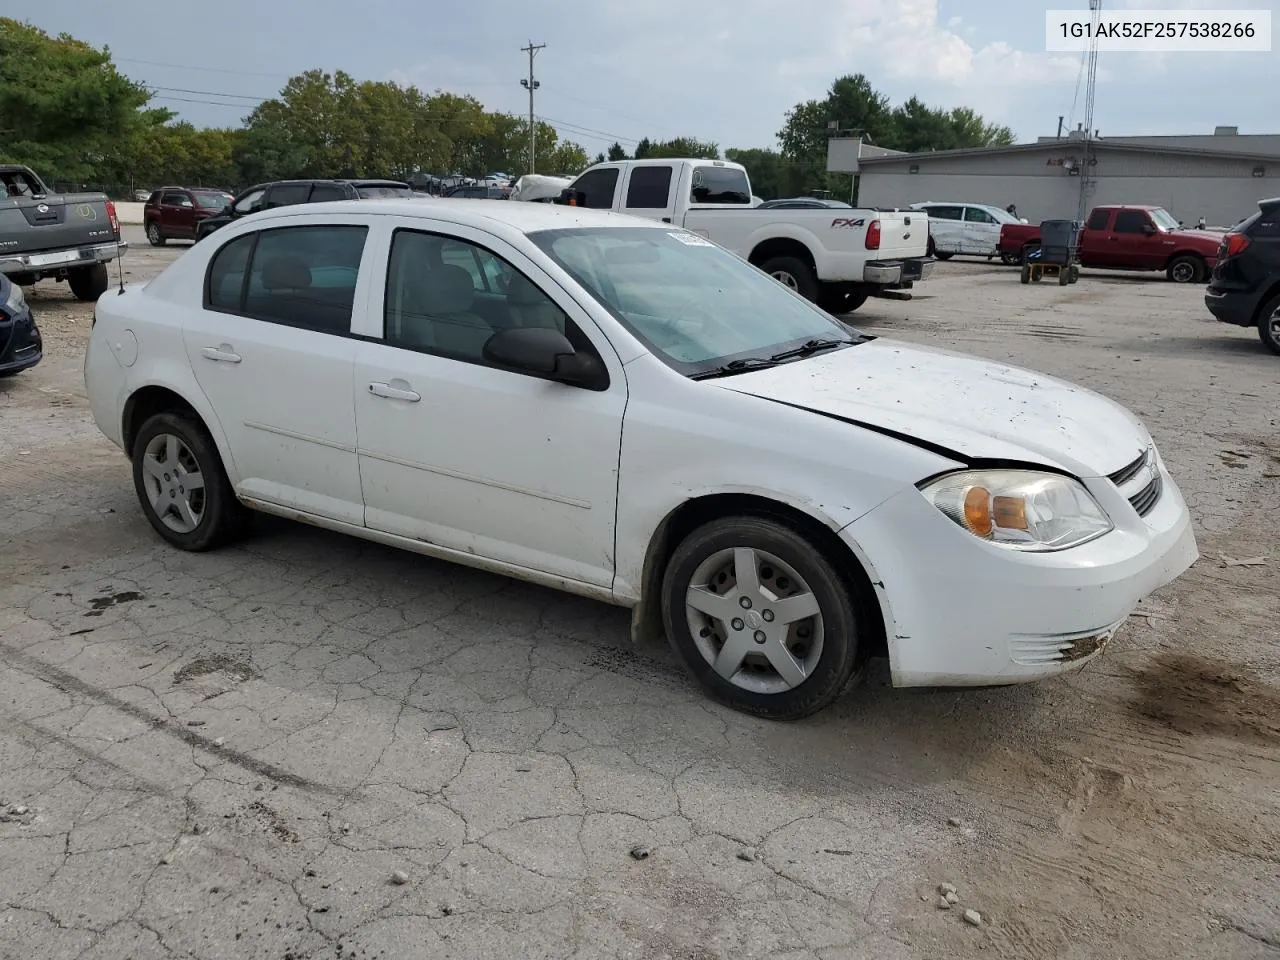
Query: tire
{"x":1074,"y":274}
{"x":944,"y":255}
{"x":838,"y":302}
{"x":1010,"y":259}
{"x":154,"y":236}
{"x":794,"y":273}
{"x":820,"y":653}
{"x":1269,"y":325}
{"x":1186,"y":268}
{"x":1026,"y":273}
{"x":1029,"y":249}
{"x":167,"y":439}
{"x":89,"y":283}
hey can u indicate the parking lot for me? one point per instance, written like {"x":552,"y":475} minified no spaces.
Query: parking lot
{"x":309,"y":746}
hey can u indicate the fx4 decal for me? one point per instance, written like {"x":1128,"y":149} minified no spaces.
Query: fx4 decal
{"x":840,"y":223}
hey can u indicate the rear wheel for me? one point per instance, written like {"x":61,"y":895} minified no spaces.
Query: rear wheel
{"x":154,"y":236}
{"x":1010,"y":259}
{"x":89,"y":283}
{"x":794,"y":273}
{"x":1269,"y":325}
{"x":944,"y":255}
{"x":761,"y":618}
{"x":182,"y":486}
{"x":1186,"y":269}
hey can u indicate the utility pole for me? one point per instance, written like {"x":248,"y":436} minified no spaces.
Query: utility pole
{"x":1091,"y":92}
{"x":531,"y":85}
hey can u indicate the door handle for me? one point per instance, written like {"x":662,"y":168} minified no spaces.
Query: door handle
{"x":224,"y":353}
{"x":391,"y":392}
{"x":666,"y":219}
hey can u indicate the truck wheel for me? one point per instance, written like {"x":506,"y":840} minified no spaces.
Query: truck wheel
{"x":1269,"y":325}
{"x":1026,"y":273}
{"x":89,"y":283}
{"x":794,"y":273}
{"x":154,"y":235}
{"x":761,"y":618}
{"x":1010,"y":259}
{"x":837,"y":301}
{"x":944,"y":255}
{"x":1186,"y":269}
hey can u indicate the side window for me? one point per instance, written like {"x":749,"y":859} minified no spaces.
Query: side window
{"x":304,"y":276}
{"x":154,"y":198}
{"x":1098,"y":220}
{"x":327,"y":191}
{"x":1266,"y":225}
{"x":1131,"y":221}
{"x":434,"y":302}
{"x":977,"y":215}
{"x":944,"y":213}
{"x":598,"y":185}
{"x":173,"y":200}
{"x":649,"y":187}
{"x":250,"y":202}
{"x":224,"y":288}
{"x":286,"y":194}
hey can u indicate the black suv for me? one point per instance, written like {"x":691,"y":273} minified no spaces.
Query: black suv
{"x":284,"y":193}
{"x":1245,"y":286}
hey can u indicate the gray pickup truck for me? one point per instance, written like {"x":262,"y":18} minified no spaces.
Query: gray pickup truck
{"x":68,"y":237}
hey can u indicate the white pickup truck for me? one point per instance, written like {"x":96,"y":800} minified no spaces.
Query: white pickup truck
{"x":836,"y":257}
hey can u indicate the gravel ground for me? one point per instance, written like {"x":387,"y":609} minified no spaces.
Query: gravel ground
{"x":308,"y":746}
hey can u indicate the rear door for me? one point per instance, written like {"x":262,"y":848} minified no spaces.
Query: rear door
{"x":650,"y":191}
{"x":1095,"y":239}
{"x":177,"y":214}
{"x":981,"y":232}
{"x":946,"y":227}
{"x":272,"y":350}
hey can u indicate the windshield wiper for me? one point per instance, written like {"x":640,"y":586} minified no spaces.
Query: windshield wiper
{"x":809,"y":348}
{"x":741,"y":365}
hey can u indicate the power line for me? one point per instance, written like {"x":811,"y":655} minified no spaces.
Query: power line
{"x":187,"y":66}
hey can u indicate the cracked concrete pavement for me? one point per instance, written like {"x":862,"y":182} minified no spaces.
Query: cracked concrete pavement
{"x":231,"y":754}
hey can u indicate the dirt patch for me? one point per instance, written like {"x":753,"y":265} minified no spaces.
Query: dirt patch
{"x":273,"y":822}
{"x":235,"y":670}
{"x":1200,"y":697}
{"x":110,"y":600}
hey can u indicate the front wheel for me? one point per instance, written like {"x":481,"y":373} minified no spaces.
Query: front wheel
{"x":760,"y":618}
{"x":1186,"y":269}
{"x":1269,"y":325}
{"x":794,"y":273}
{"x":837,"y":301}
{"x":89,"y":283}
{"x":182,"y":486}
{"x":154,"y":236}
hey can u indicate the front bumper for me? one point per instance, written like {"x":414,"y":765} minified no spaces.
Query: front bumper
{"x":893,"y":272}
{"x":21,"y":345}
{"x":960,"y":611}
{"x":1232,"y":306}
{"x":52,"y":260}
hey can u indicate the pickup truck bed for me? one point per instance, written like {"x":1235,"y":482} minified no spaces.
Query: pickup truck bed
{"x":43,"y":235}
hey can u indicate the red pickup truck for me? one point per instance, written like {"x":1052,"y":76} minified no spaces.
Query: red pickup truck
{"x":1129,"y":238}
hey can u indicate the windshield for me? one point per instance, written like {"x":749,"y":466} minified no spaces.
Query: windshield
{"x":387,"y":190}
{"x":1164,"y":219}
{"x":212,"y":201}
{"x":694,"y":304}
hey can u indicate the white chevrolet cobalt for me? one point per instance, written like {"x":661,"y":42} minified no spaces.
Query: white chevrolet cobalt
{"x":621,"y":409}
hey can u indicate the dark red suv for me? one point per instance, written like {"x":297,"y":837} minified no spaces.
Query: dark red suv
{"x":171,"y":213}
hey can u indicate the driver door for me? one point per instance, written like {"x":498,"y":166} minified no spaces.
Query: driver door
{"x":464,"y":455}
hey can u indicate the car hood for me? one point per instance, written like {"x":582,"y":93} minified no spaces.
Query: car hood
{"x":1206,"y":238}
{"x":978,"y":409}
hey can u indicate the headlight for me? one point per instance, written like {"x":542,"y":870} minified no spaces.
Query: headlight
{"x":15,"y":301}
{"x":1020,"y":509}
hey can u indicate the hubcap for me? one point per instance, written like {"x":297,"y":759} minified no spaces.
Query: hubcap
{"x":1273,"y":326}
{"x":1183,"y":273}
{"x":754,"y":620}
{"x":786,"y":279}
{"x":154,"y":232}
{"x":174,"y":483}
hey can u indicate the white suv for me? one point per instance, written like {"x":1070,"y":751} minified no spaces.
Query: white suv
{"x":965,"y":228}
{"x":619,"y":408}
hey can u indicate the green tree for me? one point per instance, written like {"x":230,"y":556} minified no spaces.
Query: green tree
{"x":643,"y":148}
{"x":682,"y":147}
{"x":617,"y":153}
{"x":764,"y":167}
{"x":63,"y":103}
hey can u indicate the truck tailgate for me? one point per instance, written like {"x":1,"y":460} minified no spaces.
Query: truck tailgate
{"x":903,"y":234}
{"x":32,"y":225}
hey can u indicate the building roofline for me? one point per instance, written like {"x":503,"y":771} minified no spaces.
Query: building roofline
{"x":1096,"y":144}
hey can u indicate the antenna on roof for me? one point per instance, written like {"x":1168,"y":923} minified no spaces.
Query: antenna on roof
{"x":119,"y":265}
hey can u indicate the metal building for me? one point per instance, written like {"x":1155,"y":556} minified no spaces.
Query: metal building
{"x":1220,"y":178}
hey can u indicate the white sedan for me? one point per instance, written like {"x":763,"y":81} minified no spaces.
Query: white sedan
{"x":621,"y":409}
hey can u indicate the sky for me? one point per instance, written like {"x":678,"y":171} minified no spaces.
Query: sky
{"x":720,"y":70}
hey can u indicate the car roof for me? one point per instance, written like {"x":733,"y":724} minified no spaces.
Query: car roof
{"x":515,"y":214}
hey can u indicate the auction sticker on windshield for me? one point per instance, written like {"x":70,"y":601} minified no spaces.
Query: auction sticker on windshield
{"x":691,"y":239}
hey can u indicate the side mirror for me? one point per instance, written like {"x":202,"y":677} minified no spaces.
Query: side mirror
{"x":546,"y":353}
